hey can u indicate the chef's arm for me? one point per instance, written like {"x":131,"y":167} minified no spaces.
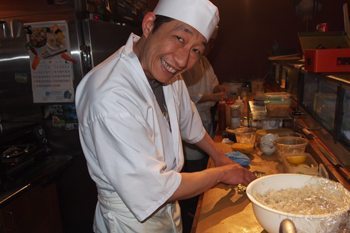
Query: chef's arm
{"x":195,"y":183}
{"x":225,"y":171}
{"x":208,"y":146}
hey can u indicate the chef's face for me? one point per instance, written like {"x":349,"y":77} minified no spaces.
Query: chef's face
{"x":171,"y":49}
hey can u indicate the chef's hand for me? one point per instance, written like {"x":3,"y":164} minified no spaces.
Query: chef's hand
{"x":236,"y":174}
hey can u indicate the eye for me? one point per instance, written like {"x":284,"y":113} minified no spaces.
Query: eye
{"x":197,"y":51}
{"x":179,"y":38}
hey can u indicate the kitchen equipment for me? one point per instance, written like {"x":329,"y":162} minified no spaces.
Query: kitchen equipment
{"x":327,"y":60}
{"x":290,"y":145}
{"x":270,"y":218}
{"x":19,"y":152}
{"x":325,"y":51}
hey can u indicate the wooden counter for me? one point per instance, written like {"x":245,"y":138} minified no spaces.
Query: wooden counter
{"x":222,"y":209}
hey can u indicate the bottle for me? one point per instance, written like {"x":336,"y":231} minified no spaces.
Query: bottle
{"x":222,"y":115}
{"x":235,"y":116}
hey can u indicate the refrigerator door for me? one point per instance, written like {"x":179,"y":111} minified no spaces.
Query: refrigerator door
{"x":102,"y":39}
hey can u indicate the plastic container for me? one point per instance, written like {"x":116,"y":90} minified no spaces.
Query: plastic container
{"x":277,"y":104}
{"x":277,"y":98}
{"x":290,"y":145}
{"x":308,"y":167}
{"x":245,"y":135}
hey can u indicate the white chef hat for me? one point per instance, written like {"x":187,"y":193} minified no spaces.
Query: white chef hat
{"x":200,"y":14}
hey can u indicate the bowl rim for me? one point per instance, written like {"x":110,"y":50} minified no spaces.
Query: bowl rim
{"x":305,"y":141}
{"x":251,"y":197}
{"x":245,"y":130}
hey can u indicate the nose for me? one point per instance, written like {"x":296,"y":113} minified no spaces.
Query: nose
{"x":181,"y":57}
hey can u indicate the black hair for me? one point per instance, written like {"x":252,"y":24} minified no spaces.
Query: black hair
{"x":160,"y":19}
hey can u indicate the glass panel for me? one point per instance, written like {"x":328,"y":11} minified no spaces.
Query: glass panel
{"x":345,"y":128}
{"x":324,"y":103}
{"x":292,"y":82}
{"x":310,"y":88}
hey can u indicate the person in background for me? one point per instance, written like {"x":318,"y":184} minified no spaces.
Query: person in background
{"x":205,"y":91}
{"x":133,"y":114}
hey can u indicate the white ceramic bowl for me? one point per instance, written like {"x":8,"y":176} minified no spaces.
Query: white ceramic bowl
{"x":270,"y":219}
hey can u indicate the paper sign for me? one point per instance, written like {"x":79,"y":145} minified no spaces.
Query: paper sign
{"x":50,"y":61}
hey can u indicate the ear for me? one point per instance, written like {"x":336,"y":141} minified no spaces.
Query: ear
{"x":147,"y":23}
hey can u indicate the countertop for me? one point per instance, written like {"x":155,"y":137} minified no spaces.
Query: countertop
{"x":222,"y":209}
{"x":41,"y":172}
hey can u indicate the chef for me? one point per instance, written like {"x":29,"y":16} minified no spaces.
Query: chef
{"x":133,"y":112}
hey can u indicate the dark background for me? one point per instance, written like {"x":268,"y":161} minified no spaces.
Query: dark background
{"x":250,"y":28}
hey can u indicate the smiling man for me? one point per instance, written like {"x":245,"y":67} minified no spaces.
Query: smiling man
{"x":133,"y":113}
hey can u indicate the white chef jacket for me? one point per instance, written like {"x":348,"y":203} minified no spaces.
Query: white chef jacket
{"x":132,"y":155}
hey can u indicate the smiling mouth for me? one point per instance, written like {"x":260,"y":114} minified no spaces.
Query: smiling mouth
{"x":168,"y":67}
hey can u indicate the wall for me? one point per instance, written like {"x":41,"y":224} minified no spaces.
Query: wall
{"x":34,"y":10}
{"x":249,"y":29}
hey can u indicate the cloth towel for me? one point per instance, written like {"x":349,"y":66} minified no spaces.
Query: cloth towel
{"x":239,"y":158}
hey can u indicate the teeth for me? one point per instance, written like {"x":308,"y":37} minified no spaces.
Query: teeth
{"x":168,"y":67}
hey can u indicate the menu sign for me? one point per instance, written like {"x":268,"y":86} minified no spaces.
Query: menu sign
{"x":50,"y":60}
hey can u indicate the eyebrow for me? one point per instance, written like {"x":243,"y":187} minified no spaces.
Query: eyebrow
{"x":190,"y":31}
{"x":185,"y":29}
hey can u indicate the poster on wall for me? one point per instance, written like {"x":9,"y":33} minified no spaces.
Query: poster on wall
{"x":50,"y":61}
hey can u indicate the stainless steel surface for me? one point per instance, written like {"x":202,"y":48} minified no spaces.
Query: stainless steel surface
{"x":104,"y":38}
{"x":89,"y":40}
{"x":287,"y":226}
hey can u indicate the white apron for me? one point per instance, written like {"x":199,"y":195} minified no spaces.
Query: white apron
{"x":112,"y":216}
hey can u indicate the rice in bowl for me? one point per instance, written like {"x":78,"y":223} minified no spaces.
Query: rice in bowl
{"x":314,"y":204}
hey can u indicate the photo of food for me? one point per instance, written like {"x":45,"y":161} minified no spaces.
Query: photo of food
{"x":47,"y":41}
{"x":37,"y":37}
{"x":55,"y":38}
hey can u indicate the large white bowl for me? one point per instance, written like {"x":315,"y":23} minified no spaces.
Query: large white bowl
{"x":270,"y":219}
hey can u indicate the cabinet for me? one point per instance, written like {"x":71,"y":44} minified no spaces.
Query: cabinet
{"x":33,"y":211}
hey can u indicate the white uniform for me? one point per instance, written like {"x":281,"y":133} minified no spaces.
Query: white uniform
{"x":131,"y":153}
